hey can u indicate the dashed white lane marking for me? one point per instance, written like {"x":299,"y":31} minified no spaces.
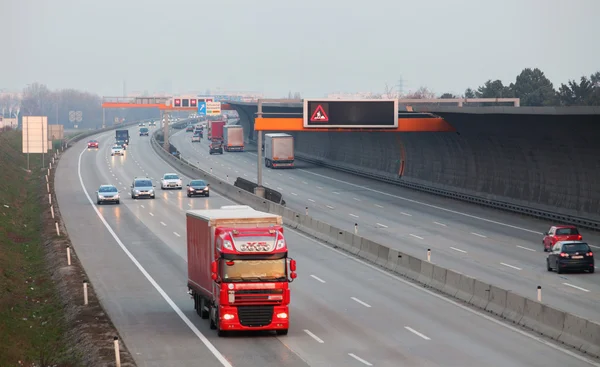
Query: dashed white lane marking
{"x":280,"y":174}
{"x":319,"y":187}
{"x":353,"y":215}
{"x":266,"y":183}
{"x":291,"y":178}
{"x":151,"y":214}
{"x":335,"y":192}
{"x":359,"y":359}
{"x":120,"y":183}
{"x":304,"y":182}
{"x":361,"y":302}
{"x":319,"y":340}
{"x":510,"y":266}
{"x":279,"y":188}
{"x":329,"y":206}
{"x":379,"y":206}
{"x":415,"y":236}
{"x":408,"y":215}
{"x":417,"y":333}
{"x":176,"y":234}
{"x":317,"y":278}
{"x":440,"y":224}
{"x":382,"y":225}
{"x":478,"y":235}
{"x":163,"y":223}
{"x":142,"y":206}
{"x":189,"y":204}
{"x":357,"y":199}
{"x":311,"y":200}
{"x":459,"y":250}
{"x":293,"y":193}
{"x":526,"y":248}
{"x":576,"y":287}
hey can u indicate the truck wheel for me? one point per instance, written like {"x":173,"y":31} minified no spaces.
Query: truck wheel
{"x":282,"y":332}
{"x":212,"y":317}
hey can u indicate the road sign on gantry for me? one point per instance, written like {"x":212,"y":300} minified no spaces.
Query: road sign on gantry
{"x":213,"y":108}
{"x":202,"y":108}
{"x":349,"y":114}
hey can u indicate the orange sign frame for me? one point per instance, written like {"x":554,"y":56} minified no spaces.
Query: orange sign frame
{"x":432,"y":124}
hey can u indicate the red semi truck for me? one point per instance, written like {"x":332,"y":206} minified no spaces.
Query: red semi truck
{"x":238,"y":269}
{"x":215,"y":130}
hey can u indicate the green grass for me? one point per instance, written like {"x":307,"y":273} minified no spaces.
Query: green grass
{"x":32,"y":324}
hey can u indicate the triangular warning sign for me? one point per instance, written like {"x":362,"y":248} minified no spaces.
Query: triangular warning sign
{"x":319,"y":115}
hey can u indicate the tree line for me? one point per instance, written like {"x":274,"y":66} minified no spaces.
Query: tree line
{"x":533,"y":88}
{"x":38,"y":100}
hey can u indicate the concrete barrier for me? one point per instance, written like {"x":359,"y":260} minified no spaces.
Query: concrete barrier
{"x":574,"y":331}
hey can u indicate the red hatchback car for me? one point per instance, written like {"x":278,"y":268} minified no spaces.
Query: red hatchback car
{"x":560,"y":233}
{"x":93,"y":144}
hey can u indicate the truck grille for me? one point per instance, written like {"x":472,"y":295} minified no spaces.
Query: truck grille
{"x":260,"y":296}
{"x":255,"y":316}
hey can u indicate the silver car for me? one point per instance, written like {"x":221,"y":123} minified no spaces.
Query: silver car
{"x":107,"y":194}
{"x":142,"y":187}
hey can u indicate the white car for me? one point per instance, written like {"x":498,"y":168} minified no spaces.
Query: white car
{"x":117,"y":150}
{"x":171,"y":181}
{"x":196,"y":138}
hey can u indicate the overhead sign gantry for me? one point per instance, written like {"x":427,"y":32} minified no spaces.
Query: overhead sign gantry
{"x":201,"y":105}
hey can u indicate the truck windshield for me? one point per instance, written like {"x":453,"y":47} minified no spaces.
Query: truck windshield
{"x":254,"y":270}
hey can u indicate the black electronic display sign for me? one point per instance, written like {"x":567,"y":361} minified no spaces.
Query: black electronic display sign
{"x":351,"y":114}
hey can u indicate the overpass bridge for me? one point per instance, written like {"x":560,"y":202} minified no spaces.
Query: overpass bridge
{"x":539,"y":161}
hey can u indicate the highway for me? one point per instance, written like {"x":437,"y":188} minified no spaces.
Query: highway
{"x":497,"y":247}
{"x":344,"y":312}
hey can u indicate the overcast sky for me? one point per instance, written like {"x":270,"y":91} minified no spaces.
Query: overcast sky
{"x":310,"y":46}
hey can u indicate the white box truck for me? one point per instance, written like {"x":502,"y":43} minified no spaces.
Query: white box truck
{"x":279,"y":150}
{"x":233,"y":138}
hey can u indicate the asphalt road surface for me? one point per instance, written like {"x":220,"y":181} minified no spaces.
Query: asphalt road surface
{"x":494,"y":246}
{"x":343,"y":312}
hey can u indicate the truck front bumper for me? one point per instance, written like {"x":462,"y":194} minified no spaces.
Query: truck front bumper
{"x":266,"y":317}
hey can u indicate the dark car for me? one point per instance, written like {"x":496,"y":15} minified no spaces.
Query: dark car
{"x":198,"y":187}
{"x":215,"y":147}
{"x":560,"y":233}
{"x":189,"y":129}
{"x":144,"y":131}
{"x":570,"y":255}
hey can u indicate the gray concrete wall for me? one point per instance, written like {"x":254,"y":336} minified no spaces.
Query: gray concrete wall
{"x":548,"y":161}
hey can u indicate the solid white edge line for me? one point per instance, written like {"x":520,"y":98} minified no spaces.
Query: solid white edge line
{"x":450,"y":301}
{"x":424,"y":204}
{"x":319,"y":340}
{"x":444,"y":298}
{"x":417,"y":333}
{"x":511,"y":266}
{"x":359,"y":359}
{"x":361,"y":302}
{"x":576,"y":287}
{"x":165,"y":296}
{"x":317,"y":278}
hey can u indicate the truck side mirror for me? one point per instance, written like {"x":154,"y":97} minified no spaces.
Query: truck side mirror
{"x":293,"y":265}
{"x":293,"y":275}
{"x":213,"y":270}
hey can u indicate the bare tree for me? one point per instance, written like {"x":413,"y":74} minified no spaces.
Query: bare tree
{"x":421,"y":93}
{"x":390,"y":93}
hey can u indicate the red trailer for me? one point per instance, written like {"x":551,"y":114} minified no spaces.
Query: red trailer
{"x":238,"y":269}
{"x":215,"y":130}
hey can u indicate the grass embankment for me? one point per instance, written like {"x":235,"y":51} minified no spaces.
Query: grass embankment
{"x":32,"y":321}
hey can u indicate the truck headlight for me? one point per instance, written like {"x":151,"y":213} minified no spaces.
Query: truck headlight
{"x":282,"y":315}
{"x":228,"y":316}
